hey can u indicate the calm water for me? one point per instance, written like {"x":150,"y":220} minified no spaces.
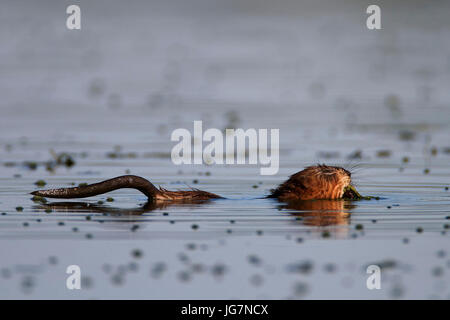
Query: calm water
{"x":112,"y":93}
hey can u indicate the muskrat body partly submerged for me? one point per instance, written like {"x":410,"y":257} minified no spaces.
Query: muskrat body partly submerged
{"x":315,"y":182}
{"x":128,"y":181}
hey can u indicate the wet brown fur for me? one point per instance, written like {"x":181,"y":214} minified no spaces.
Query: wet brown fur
{"x":315,"y":182}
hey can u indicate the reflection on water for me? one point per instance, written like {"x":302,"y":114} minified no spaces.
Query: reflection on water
{"x":87,"y":207}
{"x":312,"y":212}
{"x":321,"y":212}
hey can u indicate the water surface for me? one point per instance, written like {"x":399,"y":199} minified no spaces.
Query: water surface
{"x":111,"y":94}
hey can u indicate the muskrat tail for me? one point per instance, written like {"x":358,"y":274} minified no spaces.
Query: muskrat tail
{"x":128,"y":181}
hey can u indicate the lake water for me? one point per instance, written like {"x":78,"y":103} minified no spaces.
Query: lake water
{"x":111,"y":93}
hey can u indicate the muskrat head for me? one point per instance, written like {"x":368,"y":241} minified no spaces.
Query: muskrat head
{"x":332,"y":180}
{"x":315,"y":182}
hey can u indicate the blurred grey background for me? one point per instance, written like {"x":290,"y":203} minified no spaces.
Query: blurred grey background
{"x":226,"y":55}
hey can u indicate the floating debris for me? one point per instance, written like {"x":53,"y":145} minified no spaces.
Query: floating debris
{"x":137,"y":253}
{"x":303,"y":267}
{"x":40,"y":183}
{"x":384,"y":153}
{"x":39,"y":199}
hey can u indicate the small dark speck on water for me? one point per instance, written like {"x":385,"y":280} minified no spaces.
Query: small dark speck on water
{"x":61,"y":223}
{"x":218,"y":270}
{"x":301,"y":289}
{"x":256,"y":280}
{"x":184,"y":276}
{"x":133,"y":266}
{"x":87,"y":282}
{"x":136,"y":253}
{"x":40,"y":183}
{"x":437,"y":271}
{"x":385,"y":264}
{"x":39,"y":199}
{"x":198,"y":268}
{"x":419,"y":230}
{"x":183,"y":257}
{"x":194,"y":226}
{"x":359,"y":227}
{"x":303,"y":267}
{"x":109,"y":199}
{"x":191,"y":246}
{"x":434,"y":151}
{"x":325,"y":234}
{"x":158,"y":269}
{"x":6,"y":273}
{"x":31,"y":165}
{"x":254,"y":260}
{"x":27,"y":283}
{"x":383,"y":153}
{"x":330,"y":267}
{"x":52,"y":260}
{"x":117,"y":279}
{"x":19,"y":209}
{"x":88,"y":236}
{"x":107,"y":268}
{"x":397,"y":291}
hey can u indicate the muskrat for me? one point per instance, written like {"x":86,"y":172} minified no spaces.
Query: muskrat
{"x":314,"y":182}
